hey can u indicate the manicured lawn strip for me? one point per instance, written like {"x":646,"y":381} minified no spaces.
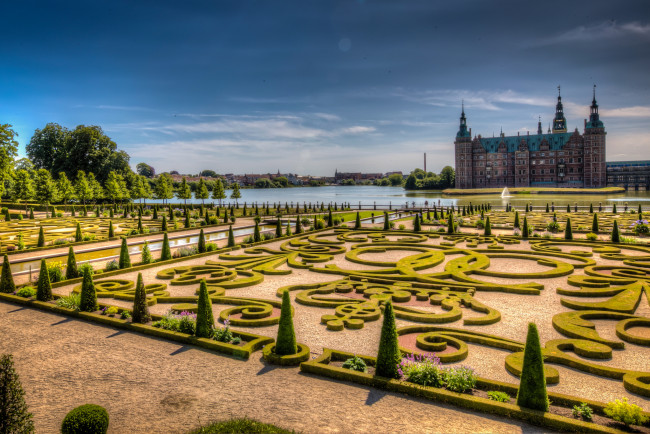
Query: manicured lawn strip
{"x":240,"y":426}
{"x":320,"y":366}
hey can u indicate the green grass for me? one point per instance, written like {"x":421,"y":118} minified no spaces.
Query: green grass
{"x":244,"y":425}
{"x":351,"y":216}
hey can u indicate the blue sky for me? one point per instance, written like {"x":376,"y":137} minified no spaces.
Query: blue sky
{"x":312,"y":86}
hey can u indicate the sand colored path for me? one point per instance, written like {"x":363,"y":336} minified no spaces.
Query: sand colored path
{"x":154,"y":386}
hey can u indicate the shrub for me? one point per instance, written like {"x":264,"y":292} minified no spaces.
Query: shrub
{"x":256,"y":233}
{"x":201,"y":243}
{"x":88,"y":301}
{"x":27,"y":291}
{"x":623,"y":411}
{"x":125,"y":258}
{"x":553,"y":227}
{"x":422,"y":369}
{"x":459,"y":379}
{"x":7,"y":284}
{"x":616,"y":234}
{"x":268,"y":236}
{"x":319,"y":224}
{"x":14,"y":417}
{"x":488,"y":227}
{"x":532,"y":387}
{"x":111,"y":311}
{"x":480,"y":224}
{"x":210,"y":247}
{"x":44,"y":287}
{"x":187,"y":323}
{"x":70,"y":301}
{"x":591,"y":236}
{"x":583,"y":411}
{"x":140,"y":308}
{"x":355,"y":364}
{"x":498,"y":396}
{"x":125,"y":314}
{"x":41,"y":237}
{"x":71,"y":271}
{"x":166,"y":253}
{"x":88,"y":418}
{"x":286,"y":340}
{"x":244,"y":425}
{"x":185,"y":251}
{"x":204,"y":316}
{"x":112,"y":265}
{"x":231,"y":237}
{"x":223,"y":334}
{"x":568,"y":231}
{"x":55,"y":271}
{"x":640,"y":227}
{"x":389,"y":354}
{"x":146,"y":258}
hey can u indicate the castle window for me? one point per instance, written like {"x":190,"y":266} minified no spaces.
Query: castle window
{"x":541,"y":162}
{"x":579,"y":160}
{"x":552,"y":170}
{"x":532,"y":171}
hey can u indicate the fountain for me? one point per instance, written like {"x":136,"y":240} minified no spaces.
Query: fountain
{"x":505,"y":192}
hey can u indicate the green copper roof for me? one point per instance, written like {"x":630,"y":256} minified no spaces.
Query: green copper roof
{"x":556,"y":141}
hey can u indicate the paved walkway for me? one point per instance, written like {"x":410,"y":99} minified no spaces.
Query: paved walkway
{"x":154,"y":386}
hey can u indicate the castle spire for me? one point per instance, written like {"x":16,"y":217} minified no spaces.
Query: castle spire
{"x":462,"y":130}
{"x":539,"y":125}
{"x":594,"y":118}
{"x":559,"y":123}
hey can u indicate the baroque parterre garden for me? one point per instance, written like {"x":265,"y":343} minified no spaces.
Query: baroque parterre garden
{"x":443,"y":303}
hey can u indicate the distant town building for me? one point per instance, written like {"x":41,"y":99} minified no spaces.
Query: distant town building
{"x":554,"y":159}
{"x":633,"y":175}
{"x":356,"y":176}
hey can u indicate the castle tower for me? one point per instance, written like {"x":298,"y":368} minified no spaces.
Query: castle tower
{"x":559,"y":123}
{"x":463,"y":148}
{"x":594,"y":158}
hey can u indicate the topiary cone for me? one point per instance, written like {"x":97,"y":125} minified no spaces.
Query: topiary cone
{"x":532,"y":387}
{"x":71,"y":270}
{"x":594,"y":224}
{"x":231,"y":237}
{"x":568,"y":231}
{"x":204,"y":316}
{"x":125,"y":259}
{"x":256,"y":233}
{"x":201,"y":244}
{"x":14,"y":414}
{"x":7,"y":284}
{"x":43,"y":287}
{"x":488,"y":227}
{"x":524,"y":231}
{"x":41,"y":237}
{"x":140,"y":308}
{"x":616,"y":234}
{"x":88,"y":294}
{"x":286,"y":340}
{"x":389,"y":354}
{"x":357,"y":222}
{"x":78,"y":236}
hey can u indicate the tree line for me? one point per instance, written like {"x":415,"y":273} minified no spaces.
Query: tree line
{"x":421,"y":180}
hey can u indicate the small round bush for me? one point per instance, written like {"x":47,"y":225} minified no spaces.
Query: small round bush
{"x":85,"y":419}
{"x":356,"y":363}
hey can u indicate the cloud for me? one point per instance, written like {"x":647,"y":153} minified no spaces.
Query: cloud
{"x":599,"y":31}
{"x":327,"y":116}
{"x":357,"y":129}
{"x":482,"y":99}
{"x":582,"y":111}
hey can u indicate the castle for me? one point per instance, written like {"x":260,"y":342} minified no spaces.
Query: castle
{"x":554,"y":159}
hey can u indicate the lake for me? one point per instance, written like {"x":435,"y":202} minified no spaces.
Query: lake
{"x":383,"y":197}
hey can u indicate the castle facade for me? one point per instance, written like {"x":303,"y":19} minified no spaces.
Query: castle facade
{"x":555,"y":159}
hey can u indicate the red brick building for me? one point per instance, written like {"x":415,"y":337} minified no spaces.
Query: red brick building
{"x":554,"y":159}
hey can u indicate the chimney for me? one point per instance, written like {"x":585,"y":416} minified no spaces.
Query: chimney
{"x":425,"y":162}
{"x":585,"y":124}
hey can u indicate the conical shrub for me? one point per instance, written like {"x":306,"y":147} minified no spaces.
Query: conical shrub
{"x":298,"y":225}
{"x":547,"y":210}
{"x":450,"y":224}
{"x":166,"y":252}
{"x":286,"y":342}
{"x":488,"y":227}
{"x":524,"y":229}
{"x":140,"y":308}
{"x":78,"y":236}
{"x":594,"y":224}
{"x":330,"y":219}
{"x":231,"y":237}
{"x":614,"y":209}
{"x":88,"y":294}
{"x":125,"y":258}
{"x":71,"y":270}
{"x":7,"y":284}
{"x":201,"y":244}
{"x":257,"y":236}
{"x":616,"y":234}
{"x":111,"y":231}
{"x":417,"y":227}
{"x":516,"y":223}
{"x":568,"y":231}
{"x":591,"y":208}
{"x":163,"y":226}
{"x":14,"y":415}
{"x":532,"y":387}
{"x":43,"y":286}
{"x":389,"y":354}
{"x":386,"y":221}
{"x":41,"y":237}
{"x":204,"y":315}
{"x":278,"y":228}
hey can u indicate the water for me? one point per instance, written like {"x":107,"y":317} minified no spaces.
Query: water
{"x":397,"y":197}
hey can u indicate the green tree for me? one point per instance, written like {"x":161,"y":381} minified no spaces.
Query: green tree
{"x":256,"y":233}
{"x":71,"y":270}
{"x":201,"y":244}
{"x":146,"y":257}
{"x":115,"y":186}
{"x":298,"y":225}
{"x":278,"y":228}
{"x":357,"y":221}
{"x":594,"y":223}
{"x":14,"y":417}
{"x":450,"y":224}
{"x":78,"y":236}
{"x":8,"y":152}
{"x":448,"y":177}
{"x":166,"y":253}
{"x":47,"y":147}
{"x":88,"y":293}
{"x":111,"y":231}
{"x":231,"y":237}
{"x":163,"y":187}
{"x":97,"y":189}
{"x":65,"y":188}
{"x":7,"y":284}
{"x":145,"y":170}
{"x":41,"y":237}
{"x":389,"y":354}
{"x":386,"y":221}
{"x":184,"y":192}
{"x":396,"y":179}
{"x":236,"y":194}
{"x":524,"y":231}
{"x":46,"y":191}
{"x":140,"y":308}
{"x":568,"y":231}
{"x":218,"y":192}
{"x":23,"y":187}
{"x":616,"y":234}
{"x":516,"y":224}
{"x":411,"y":182}
{"x":43,"y":287}
{"x":488,"y":227}
{"x":417,"y":227}
{"x":125,"y":259}
{"x":532,"y":387}
{"x":286,"y":340}
{"x":202,"y":191}
{"x":204,"y":315}
{"x":82,"y":187}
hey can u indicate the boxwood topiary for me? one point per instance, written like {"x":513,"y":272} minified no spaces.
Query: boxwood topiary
{"x":389,"y":354}
{"x":286,"y":341}
{"x":6,"y":279}
{"x":44,"y":287}
{"x":204,"y":316}
{"x":88,"y":293}
{"x":532,"y":388}
{"x":85,"y":419}
{"x":140,"y":307}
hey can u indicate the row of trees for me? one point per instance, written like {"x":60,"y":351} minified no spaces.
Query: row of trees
{"x":421,"y":180}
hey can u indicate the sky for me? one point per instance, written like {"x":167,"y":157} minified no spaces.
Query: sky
{"x":309,"y":87}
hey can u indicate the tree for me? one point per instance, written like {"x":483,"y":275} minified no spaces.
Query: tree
{"x":204,"y":315}
{"x":386,"y":221}
{"x":278,"y":228}
{"x":448,"y":177}
{"x":163,"y":187}
{"x":184,"y":191}
{"x":115,"y":187}
{"x":41,"y":237}
{"x":389,"y":354}
{"x":24,"y":164}
{"x":532,"y":387}
{"x":616,"y":234}
{"x":594,"y":224}
{"x":357,"y":222}
{"x":71,"y":270}
{"x":286,"y":340}
{"x":218,"y":192}
{"x":140,"y":308}
{"x":417,"y":227}
{"x":201,"y":244}
{"x":82,"y":187}
{"x":7,"y":284}
{"x":140,"y":188}
{"x":281,"y":181}
{"x":145,"y":170}
{"x":208,"y":173}
{"x":396,"y":179}
{"x":14,"y":417}
{"x":65,"y":188}
{"x":96,"y":187}
{"x":43,"y":287}
{"x":125,"y":259}
{"x":201,"y":191}
{"x":257,"y":237}
{"x":298,"y":225}
{"x":166,"y":253}
{"x":88,"y":301}
{"x":568,"y":231}
{"x":23,"y":187}
{"x":47,"y":147}
{"x":78,"y":236}
{"x":411,"y":182}
{"x":235,"y":192}
{"x":146,"y":257}
{"x":488,"y":227}
{"x":46,"y":191}
{"x":231,"y":237}
{"x":516,"y":224}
